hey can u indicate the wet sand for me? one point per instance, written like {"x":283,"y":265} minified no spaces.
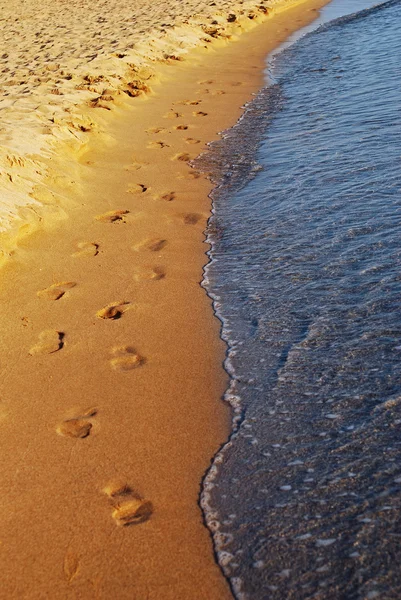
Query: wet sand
{"x":110,"y":353}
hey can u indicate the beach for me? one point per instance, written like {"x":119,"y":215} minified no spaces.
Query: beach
{"x":111,"y":356}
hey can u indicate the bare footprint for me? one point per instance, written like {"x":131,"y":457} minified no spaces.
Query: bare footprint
{"x":167,"y":196}
{"x":153,"y":245}
{"x":206,"y":82}
{"x":137,"y":188}
{"x":156,"y":130}
{"x":75,"y":428}
{"x":135,"y":166}
{"x":172,"y":115}
{"x":132,"y":512}
{"x":56,"y":291}
{"x":191,"y":218}
{"x":214,"y":92}
{"x":50,"y":341}
{"x":192,"y":141}
{"x":182,"y":156}
{"x":86,"y":249}
{"x":114,"y":310}
{"x":157,"y":145}
{"x":189,"y":102}
{"x":126,"y":358}
{"x":78,"y":426}
{"x":190,"y":175}
{"x":182,"y":127}
{"x":149,"y":273}
{"x":129,"y":508}
{"x":112,"y":216}
{"x":199,"y":113}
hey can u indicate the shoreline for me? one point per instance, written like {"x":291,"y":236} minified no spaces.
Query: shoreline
{"x":147,"y":429}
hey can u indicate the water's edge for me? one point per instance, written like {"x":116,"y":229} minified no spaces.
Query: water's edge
{"x":230,"y":171}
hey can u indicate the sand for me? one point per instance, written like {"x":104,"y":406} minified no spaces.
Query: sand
{"x":110,"y":353}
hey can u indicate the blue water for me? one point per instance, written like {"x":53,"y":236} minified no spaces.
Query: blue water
{"x":304,"y":501}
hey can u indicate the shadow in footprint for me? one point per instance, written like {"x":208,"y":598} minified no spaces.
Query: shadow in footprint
{"x":114,"y":310}
{"x":79,"y":426}
{"x":112,"y":216}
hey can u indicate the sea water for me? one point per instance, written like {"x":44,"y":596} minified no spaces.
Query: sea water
{"x":304,"y":500}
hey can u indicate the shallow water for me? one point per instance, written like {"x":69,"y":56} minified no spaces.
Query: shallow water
{"x":306,"y":275}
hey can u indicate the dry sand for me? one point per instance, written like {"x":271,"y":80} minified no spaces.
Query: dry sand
{"x":110,"y":354}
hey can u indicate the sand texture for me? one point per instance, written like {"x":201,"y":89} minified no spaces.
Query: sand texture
{"x":66,"y":62}
{"x":109,"y":350}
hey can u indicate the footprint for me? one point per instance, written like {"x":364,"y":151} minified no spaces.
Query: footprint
{"x":182,"y":127}
{"x":206,"y":82}
{"x":149,"y":273}
{"x":86,"y":249}
{"x":172,"y":115}
{"x":182,"y":156}
{"x":199,"y":113}
{"x":135,"y":166}
{"x":126,"y":358}
{"x":190,"y":175}
{"x":191,"y":218}
{"x":137,"y":188}
{"x":192,"y":141}
{"x":154,"y":245}
{"x":167,"y":196}
{"x":56,"y":291}
{"x":50,"y":341}
{"x":157,"y":145}
{"x":112,"y":216}
{"x":129,"y":508}
{"x":189,"y":102}
{"x":75,"y":428}
{"x":114,"y":310}
{"x":156,"y":130}
{"x":79,"y":426}
{"x":70,"y":566}
{"x":214,"y":92}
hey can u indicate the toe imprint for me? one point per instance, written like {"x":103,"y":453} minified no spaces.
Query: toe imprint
{"x":114,"y":310}
{"x":49,"y":341}
{"x":112,"y":216}
{"x":56,"y":291}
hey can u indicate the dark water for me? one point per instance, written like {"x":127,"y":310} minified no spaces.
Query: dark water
{"x":304,"y":501}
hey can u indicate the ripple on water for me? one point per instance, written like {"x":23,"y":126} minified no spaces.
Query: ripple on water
{"x":304,"y":500}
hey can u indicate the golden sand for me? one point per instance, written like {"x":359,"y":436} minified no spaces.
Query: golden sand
{"x":110,"y":354}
